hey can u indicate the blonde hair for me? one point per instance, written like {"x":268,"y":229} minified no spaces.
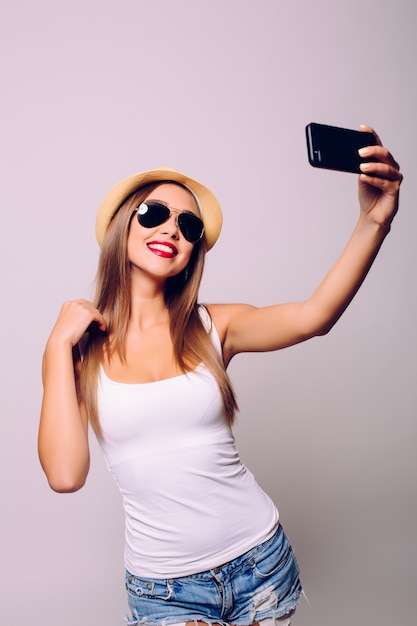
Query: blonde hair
{"x":191,"y":342}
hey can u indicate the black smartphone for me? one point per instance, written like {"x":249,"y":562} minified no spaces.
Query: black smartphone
{"x":334,"y":148}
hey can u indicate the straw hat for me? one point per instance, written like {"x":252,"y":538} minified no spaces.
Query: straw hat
{"x":211,"y":213}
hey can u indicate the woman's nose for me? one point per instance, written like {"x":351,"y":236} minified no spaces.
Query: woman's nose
{"x":170,"y":227}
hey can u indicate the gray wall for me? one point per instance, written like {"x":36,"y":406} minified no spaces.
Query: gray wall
{"x":94,"y":90}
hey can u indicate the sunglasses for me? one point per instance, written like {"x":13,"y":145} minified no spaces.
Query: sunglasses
{"x":152,"y":213}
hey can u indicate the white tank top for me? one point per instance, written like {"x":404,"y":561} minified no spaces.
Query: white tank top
{"x":190,"y":503}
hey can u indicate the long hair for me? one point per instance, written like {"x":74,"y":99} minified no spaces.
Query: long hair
{"x":191,"y":342}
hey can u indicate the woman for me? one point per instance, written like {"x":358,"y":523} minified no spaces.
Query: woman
{"x":203,"y":542}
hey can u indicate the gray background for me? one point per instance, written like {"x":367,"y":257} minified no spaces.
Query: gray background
{"x":95,"y":90}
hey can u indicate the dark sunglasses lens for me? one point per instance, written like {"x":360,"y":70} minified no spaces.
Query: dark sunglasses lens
{"x":151,"y":214}
{"x":191,"y":227}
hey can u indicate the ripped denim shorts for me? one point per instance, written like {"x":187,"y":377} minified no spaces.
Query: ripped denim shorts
{"x":262,"y":584}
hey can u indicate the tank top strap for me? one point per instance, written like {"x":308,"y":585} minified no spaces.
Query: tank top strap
{"x":210,"y":327}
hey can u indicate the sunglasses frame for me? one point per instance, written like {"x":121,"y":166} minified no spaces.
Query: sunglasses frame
{"x":180,"y":218}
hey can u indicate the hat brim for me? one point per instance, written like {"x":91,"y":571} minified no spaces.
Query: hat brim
{"x":211,"y":213}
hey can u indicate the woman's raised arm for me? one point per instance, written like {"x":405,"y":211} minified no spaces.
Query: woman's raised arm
{"x":244,"y":328}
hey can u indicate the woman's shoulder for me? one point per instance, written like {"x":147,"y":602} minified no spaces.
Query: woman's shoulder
{"x":222,"y":315}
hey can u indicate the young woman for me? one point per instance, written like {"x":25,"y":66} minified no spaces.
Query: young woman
{"x":203,"y":542}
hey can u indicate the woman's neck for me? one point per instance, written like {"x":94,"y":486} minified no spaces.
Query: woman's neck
{"x":147,"y":304}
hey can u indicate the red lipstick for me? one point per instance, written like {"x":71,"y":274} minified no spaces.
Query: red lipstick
{"x":163,"y":249}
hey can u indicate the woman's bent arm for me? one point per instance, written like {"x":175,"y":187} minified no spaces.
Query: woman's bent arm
{"x":63,"y":440}
{"x":63,"y":432}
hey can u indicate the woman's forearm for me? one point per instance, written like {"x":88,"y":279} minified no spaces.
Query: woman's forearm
{"x":342,"y":282}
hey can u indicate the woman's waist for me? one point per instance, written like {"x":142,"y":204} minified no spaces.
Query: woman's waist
{"x":200,"y":539}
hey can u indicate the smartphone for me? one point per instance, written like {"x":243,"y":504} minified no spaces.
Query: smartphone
{"x":334,"y":148}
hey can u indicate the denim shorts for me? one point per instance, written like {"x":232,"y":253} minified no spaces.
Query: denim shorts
{"x":262,"y":583}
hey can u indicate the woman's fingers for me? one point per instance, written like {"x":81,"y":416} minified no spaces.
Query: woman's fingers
{"x":379,"y":181}
{"x":369,"y":129}
{"x":383,"y":170}
{"x":74,"y":319}
{"x":379,"y":152}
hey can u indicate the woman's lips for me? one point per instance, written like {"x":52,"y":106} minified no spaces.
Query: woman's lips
{"x":163,"y":249}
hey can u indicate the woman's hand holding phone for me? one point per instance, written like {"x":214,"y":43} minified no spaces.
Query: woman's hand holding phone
{"x":379,"y":182}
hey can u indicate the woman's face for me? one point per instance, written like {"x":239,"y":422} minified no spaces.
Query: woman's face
{"x":162,"y":251}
